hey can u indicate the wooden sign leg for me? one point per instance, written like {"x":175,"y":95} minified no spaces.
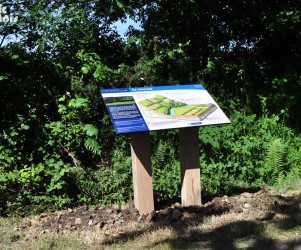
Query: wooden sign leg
{"x":190,"y":166}
{"x":142,"y":172}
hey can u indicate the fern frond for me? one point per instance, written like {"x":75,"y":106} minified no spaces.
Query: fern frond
{"x":276,"y":151}
{"x":159,"y":157}
{"x":91,"y":130}
{"x":275,"y":159}
{"x":93,"y":146}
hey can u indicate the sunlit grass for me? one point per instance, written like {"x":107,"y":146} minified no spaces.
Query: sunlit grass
{"x":212,"y":232}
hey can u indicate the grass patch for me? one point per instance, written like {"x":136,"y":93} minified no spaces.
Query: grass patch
{"x":200,"y":111}
{"x":120,"y":103}
{"x":146,"y":103}
{"x":227,"y":230}
{"x":161,"y":97}
{"x":163,"y":110}
{"x":183,"y":110}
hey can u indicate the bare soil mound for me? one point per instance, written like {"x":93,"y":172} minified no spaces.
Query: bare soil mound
{"x":262,"y":206}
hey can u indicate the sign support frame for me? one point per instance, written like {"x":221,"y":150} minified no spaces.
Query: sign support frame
{"x":185,"y":107}
{"x":190,"y":167}
{"x":142,"y":172}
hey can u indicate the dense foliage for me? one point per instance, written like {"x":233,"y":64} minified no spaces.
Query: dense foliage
{"x":57,"y":145}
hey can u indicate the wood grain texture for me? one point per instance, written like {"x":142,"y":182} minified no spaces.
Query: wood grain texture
{"x":190,"y":167}
{"x":142,"y":172}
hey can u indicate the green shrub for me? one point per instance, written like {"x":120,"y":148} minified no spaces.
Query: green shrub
{"x":36,"y":160}
{"x":107,"y":185}
{"x":61,"y":162}
{"x":166,"y":165}
{"x":249,"y":152}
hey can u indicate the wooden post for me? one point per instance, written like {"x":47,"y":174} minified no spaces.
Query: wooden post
{"x":190,"y":167}
{"x":142,"y":172}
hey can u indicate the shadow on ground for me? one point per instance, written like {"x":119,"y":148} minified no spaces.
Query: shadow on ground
{"x":282,"y":215}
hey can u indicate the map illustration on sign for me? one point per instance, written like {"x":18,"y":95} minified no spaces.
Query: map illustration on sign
{"x":161,"y":107}
{"x":176,"y":109}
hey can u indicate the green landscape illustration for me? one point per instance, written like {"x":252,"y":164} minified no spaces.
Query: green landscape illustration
{"x":175,"y":109}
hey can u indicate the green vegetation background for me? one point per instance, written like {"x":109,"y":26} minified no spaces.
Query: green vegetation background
{"x":57,"y":145}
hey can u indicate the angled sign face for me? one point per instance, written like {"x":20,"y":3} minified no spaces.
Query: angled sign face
{"x":161,"y":107}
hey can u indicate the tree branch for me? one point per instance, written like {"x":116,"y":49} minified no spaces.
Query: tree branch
{"x":75,"y":161}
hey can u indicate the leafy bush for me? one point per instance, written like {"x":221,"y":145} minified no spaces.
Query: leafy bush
{"x":36,"y":160}
{"x":62,"y":163}
{"x":248,"y":152}
{"x":107,"y":185}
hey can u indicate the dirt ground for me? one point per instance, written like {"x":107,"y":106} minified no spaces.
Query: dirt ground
{"x":218,"y":222}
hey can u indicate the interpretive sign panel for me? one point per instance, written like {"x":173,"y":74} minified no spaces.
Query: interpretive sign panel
{"x":164,"y":107}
